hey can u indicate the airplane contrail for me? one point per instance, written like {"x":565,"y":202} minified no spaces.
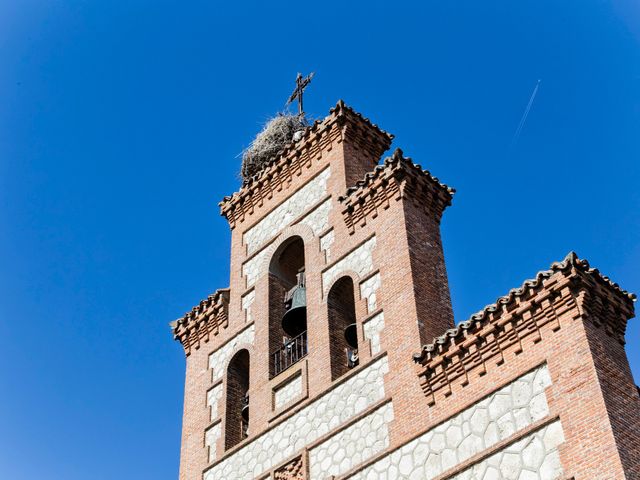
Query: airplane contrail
{"x":525,"y":115}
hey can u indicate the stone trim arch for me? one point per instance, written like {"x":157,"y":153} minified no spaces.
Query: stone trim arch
{"x":342,"y":316}
{"x":303,"y":231}
{"x":249,"y":347}
{"x":237,"y":384}
{"x":359,"y":259}
{"x":281,"y":267}
{"x":345,"y":273}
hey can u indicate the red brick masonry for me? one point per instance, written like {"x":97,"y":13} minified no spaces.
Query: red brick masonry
{"x":571,"y":318}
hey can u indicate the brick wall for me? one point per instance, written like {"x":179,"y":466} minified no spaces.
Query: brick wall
{"x":386,"y":234}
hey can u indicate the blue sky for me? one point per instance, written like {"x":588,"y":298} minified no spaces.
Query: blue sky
{"x":120,"y":128}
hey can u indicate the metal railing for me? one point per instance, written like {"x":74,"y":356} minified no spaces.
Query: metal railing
{"x":352,"y":357}
{"x":244,"y":422}
{"x":291,"y":352}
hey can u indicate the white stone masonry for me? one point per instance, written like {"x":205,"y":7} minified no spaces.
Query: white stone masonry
{"x":289,"y":210}
{"x":218,"y":359}
{"x":325,"y":244}
{"x":368,"y":290}
{"x":535,"y":457}
{"x":288,"y":392}
{"x":318,"y":218}
{"x":352,"y":446}
{"x":359,"y":260}
{"x":253,"y":268}
{"x":211,"y":436}
{"x":372,"y":329}
{"x":247,"y":301}
{"x":318,"y":418}
{"x":213,"y":399}
{"x":484,"y":424}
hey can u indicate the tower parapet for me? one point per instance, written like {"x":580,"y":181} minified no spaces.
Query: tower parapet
{"x":204,"y":320}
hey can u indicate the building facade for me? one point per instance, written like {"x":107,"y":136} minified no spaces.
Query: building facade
{"x":334,"y":354}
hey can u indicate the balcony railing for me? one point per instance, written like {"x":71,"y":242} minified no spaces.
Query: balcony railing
{"x":291,"y":352}
{"x":244,"y":417}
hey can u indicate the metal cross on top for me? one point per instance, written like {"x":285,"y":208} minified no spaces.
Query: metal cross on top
{"x":301,"y":84}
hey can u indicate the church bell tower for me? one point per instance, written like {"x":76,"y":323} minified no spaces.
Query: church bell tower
{"x":337,"y":275}
{"x":333,"y":353}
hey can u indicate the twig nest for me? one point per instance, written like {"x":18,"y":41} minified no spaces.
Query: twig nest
{"x":276,"y":134}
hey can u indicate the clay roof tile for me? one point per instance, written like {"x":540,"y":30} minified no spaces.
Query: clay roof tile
{"x":480,"y":318}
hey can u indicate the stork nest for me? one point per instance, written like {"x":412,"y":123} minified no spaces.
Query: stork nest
{"x":276,"y":134}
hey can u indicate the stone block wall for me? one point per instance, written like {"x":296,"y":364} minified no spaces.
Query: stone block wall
{"x":295,"y":206}
{"x":368,"y":290}
{"x":535,"y":457}
{"x":474,"y":430}
{"x":303,"y":428}
{"x":219,"y":358}
{"x":352,"y":446}
{"x":288,"y":392}
{"x":372,"y":329}
{"x":359,"y":261}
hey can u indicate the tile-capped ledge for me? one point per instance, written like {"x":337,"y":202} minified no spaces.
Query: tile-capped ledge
{"x":484,"y":424}
{"x":304,"y":427}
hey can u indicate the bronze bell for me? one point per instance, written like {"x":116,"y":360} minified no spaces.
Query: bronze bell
{"x":245,"y":408}
{"x":294,"y":321}
{"x":351,"y":335}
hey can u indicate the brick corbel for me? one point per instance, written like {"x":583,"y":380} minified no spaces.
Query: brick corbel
{"x":398,"y":178}
{"x":571,"y":289}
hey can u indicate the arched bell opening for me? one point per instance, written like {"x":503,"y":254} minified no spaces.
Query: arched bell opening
{"x":343,"y":329}
{"x":237,"y":411}
{"x":287,"y":306}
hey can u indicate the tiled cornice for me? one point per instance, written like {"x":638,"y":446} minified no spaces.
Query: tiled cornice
{"x":398,"y":177}
{"x":569,"y":288}
{"x":342,"y":123}
{"x":204,"y":320}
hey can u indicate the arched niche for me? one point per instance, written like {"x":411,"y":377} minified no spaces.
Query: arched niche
{"x":286,"y":271}
{"x":341,"y":308}
{"x":237,"y":407}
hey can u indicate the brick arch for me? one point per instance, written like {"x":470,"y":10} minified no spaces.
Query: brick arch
{"x":303,"y":231}
{"x":237,"y":381}
{"x":355,"y":277}
{"x":240,"y":346}
{"x":281,"y":278}
{"x":340,"y":303}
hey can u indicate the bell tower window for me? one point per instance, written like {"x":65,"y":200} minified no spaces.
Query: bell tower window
{"x":237,"y":411}
{"x":343,"y":330}
{"x":287,"y":306}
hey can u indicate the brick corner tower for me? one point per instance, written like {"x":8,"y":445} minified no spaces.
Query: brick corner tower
{"x":333,"y":352}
